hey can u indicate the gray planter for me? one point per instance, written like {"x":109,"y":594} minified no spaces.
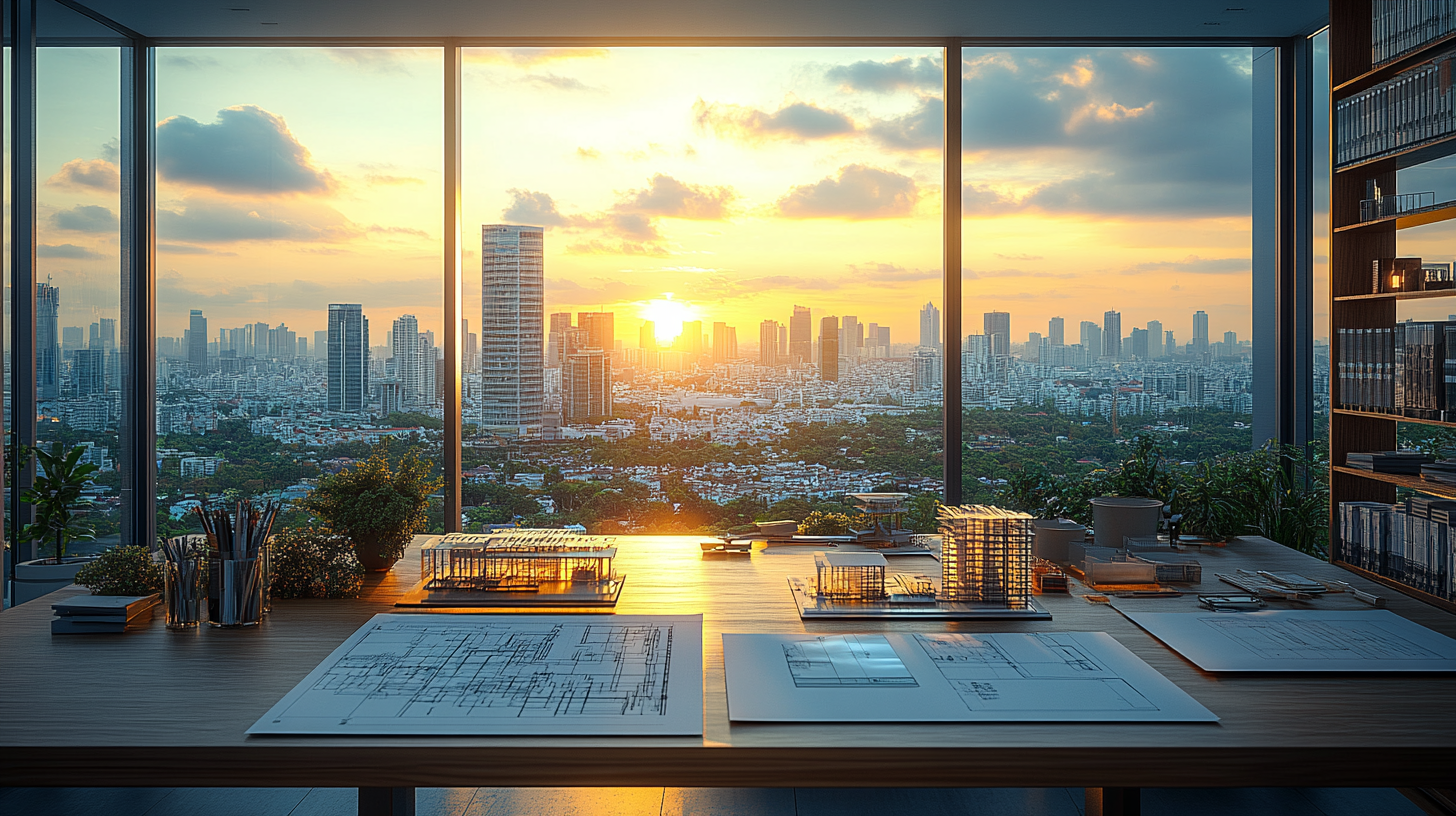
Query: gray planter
{"x":36,"y":578}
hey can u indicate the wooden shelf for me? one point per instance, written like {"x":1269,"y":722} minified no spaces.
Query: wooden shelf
{"x":1411,"y":156}
{"x":1391,"y":68}
{"x":1436,"y":423}
{"x":1420,"y":595}
{"x":1415,"y":483}
{"x":1436,"y":293}
{"x":1445,"y":211}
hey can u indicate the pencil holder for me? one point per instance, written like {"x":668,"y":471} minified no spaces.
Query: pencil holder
{"x":235,"y":592}
{"x":185,"y":587}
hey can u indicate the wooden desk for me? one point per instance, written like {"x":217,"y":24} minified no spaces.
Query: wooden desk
{"x":162,"y":708}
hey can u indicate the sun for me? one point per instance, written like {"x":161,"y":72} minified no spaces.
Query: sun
{"x":667,"y":316}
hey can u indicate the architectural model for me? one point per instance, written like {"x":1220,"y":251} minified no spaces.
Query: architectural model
{"x":858,"y":585}
{"x":1297,"y":640}
{"x":896,"y":677}
{"x":517,"y":568}
{"x":985,"y":555}
{"x":406,"y":674}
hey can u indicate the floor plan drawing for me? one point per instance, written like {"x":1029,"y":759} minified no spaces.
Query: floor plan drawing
{"x":846,"y":660}
{"x":950,"y":678}
{"x":504,"y":674}
{"x":1290,"y":640}
{"x":1036,"y":672}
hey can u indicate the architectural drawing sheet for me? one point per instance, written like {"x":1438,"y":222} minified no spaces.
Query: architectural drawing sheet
{"x":504,"y":674}
{"x":1288,"y":640}
{"x":893,"y":677}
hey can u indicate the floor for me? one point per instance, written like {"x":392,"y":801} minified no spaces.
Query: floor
{"x":698,"y":802}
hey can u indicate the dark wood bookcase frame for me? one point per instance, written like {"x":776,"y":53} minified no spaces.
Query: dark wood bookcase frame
{"x":1353,"y":246}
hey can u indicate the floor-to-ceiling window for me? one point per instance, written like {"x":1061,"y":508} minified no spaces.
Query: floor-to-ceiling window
{"x":1107,"y":264}
{"x":299,"y":198}
{"x":697,"y":283}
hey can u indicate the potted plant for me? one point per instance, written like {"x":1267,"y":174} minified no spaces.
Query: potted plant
{"x":60,"y":510}
{"x":309,"y":562}
{"x":129,"y":570}
{"x":377,"y":506}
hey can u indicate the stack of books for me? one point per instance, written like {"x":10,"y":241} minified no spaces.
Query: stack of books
{"x":1407,"y":370}
{"x":1410,"y":543}
{"x":1413,"y":108}
{"x":1443,"y":472}
{"x":1401,"y":26}
{"x":1408,"y":463}
{"x":101,"y":614}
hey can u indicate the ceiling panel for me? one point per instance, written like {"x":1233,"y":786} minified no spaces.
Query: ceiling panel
{"x":714,"y":18}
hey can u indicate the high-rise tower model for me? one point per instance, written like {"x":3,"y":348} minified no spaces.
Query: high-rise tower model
{"x":1200,"y":336}
{"x":829,"y":349}
{"x":48,"y":342}
{"x":998,"y":333}
{"x":930,"y":326}
{"x":512,"y":307}
{"x":801,"y":336}
{"x":985,"y":556}
{"x":348,"y":355}
{"x":1056,"y":331}
{"x":768,"y":343}
{"x":1112,"y":334}
{"x":197,"y":343}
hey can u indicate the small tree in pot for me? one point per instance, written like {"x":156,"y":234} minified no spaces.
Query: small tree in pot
{"x":378,"y":507}
{"x":56,"y":495}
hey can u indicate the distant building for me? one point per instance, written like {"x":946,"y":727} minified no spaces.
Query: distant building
{"x":998,"y":332}
{"x":1200,"y":336}
{"x":928,"y":369}
{"x":1056,"y":331}
{"x":1155,"y":339}
{"x":197,"y":343}
{"x":768,"y":343}
{"x":829,"y":349}
{"x":586,"y":384}
{"x":348,"y":358}
{"x":599,"y":329}
{"x":930,"y":326}
{"x":512,"y":306}
{"x":801,"y":336}
{"x":48,"y":342}
{"x":1112,"y":335}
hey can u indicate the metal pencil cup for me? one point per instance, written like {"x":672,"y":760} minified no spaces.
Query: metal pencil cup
{"x":235,"y":592}
{"x":185,"y":589}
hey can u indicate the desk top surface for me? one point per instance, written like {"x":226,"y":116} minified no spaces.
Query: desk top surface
{"x":160,"y":707}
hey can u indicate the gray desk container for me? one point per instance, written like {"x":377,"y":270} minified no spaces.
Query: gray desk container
{"x":1117,"y":517}
{"x":1052,"y":536}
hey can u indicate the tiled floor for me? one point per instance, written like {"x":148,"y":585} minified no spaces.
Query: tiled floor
{"x":698,"y":802}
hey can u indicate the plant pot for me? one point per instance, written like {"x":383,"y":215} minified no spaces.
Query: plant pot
{"x":36,"y":578}
{"x":1117,"y":517}
{"x":1052,"y":537}
{"x":372,"y":561}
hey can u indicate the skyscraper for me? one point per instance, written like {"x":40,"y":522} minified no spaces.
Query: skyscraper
{"x":768,"y":343}
{"x":407,"y":361}
{"x":282,"y":342}
{"x":930,"y":326}
{"x":259,"y":341}
{"x":1155,"y":338}
{"x":320,"y":344}
{"x":1112,"y":334}
{"x":1056,"y":331}
{"x":599,"y":329}
{"x":720,"y":343}
{"x":1138,"y":343}
{"x":347,"y":346}
{"x":88,"y":371}
{"x":1200,"y":336}
{"x":829,"y":349}
{"x":197,"y":343}
{"x":48,"y":342}
{"x":512,"y":306}
{"x":783,"y":344}
{"x":647,"y":336}
{"x":998,"y":333}
{"x":560,"y":323}
{"x":1091,"y":339}
{"x":928,"y":365}
{"x":801,"y":336}
{"x":690,"y":342}
{"x":1032,"y":353}
{"x":586,"y":386}
{"x":850,"y":334}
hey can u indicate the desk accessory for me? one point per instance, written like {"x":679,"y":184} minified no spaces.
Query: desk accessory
{"x":184,"y":572}
{"x":237,"y":588}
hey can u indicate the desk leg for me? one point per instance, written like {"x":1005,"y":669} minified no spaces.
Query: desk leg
{"x":1110,"y":802}
{"x":388,"y":802}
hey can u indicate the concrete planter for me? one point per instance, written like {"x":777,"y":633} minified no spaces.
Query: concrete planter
{"x":36,"y":578}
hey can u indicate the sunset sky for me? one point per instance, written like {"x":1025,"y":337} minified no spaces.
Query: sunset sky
{"x":733,"y":183}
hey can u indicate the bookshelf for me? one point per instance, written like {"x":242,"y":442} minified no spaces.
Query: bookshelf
{"x":1355,"y":243}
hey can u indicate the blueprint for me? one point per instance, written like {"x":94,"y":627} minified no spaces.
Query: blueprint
{"x":1375,"y":640}
{"x":1040,"y":677}
{"x":504,"y":674}
{"x":846,"y":660}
